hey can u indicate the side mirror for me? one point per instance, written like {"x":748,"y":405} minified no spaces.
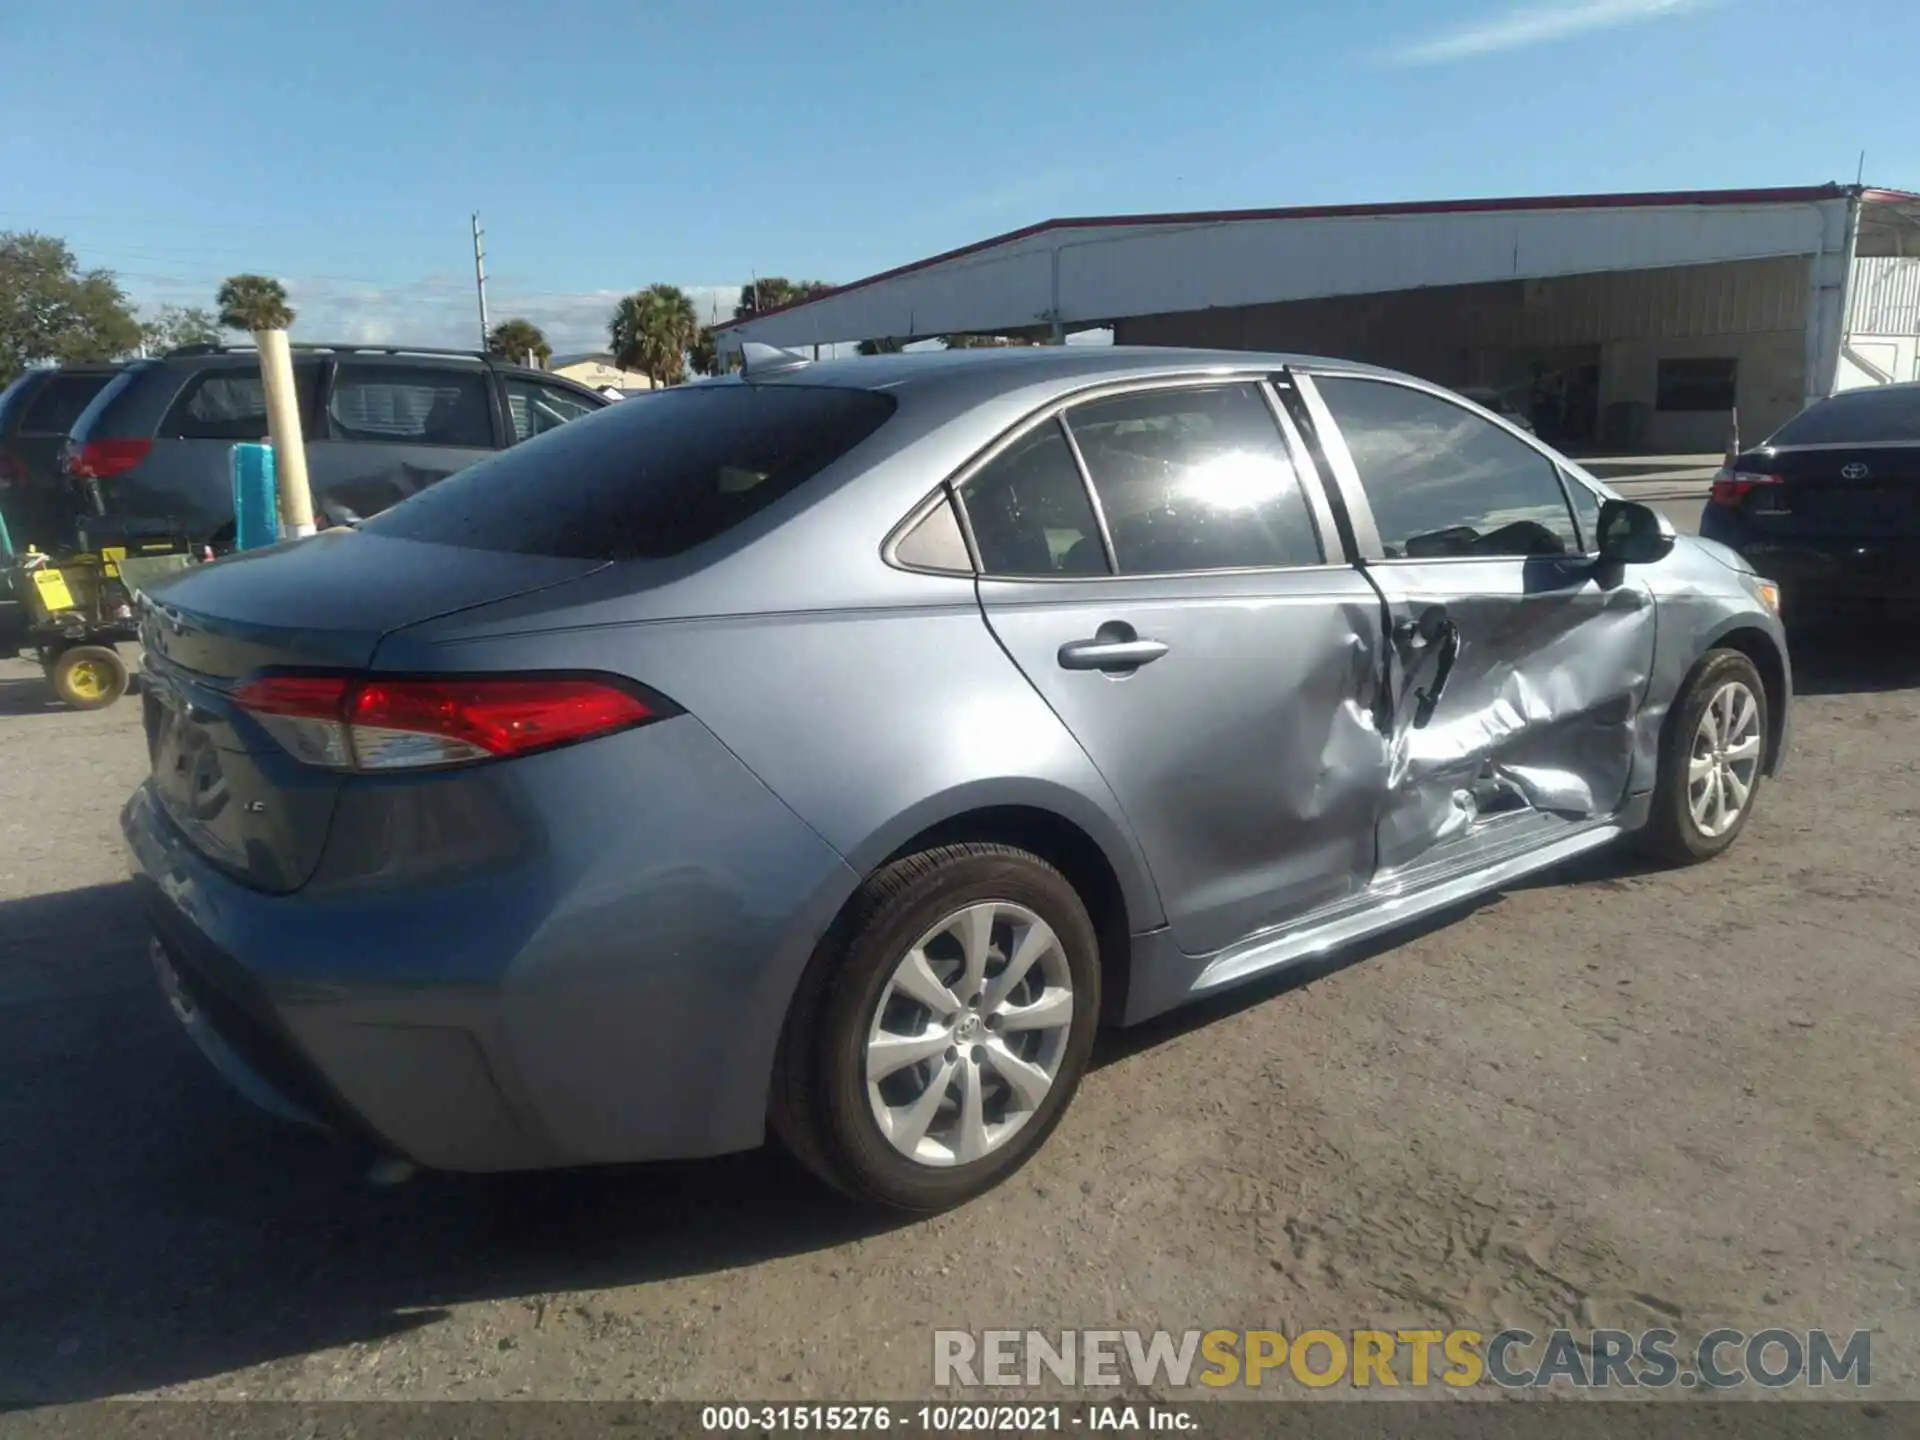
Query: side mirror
{"x":1633,"y":534}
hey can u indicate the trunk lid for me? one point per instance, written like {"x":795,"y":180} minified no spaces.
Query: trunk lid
{"x":1841,"y":492}
{"x":323,"y":603}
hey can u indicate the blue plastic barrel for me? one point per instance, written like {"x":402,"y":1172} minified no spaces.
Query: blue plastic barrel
{"x":256,"y":498}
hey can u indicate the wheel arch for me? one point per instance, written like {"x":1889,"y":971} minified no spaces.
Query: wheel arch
{"x":1771,"y":661}
{"x":1070,"y":850}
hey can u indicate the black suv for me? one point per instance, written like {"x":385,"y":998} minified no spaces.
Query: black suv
{"x":380,"y":424}
{"x":36,"y":411}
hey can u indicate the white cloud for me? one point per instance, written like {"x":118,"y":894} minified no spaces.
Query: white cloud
{"x":1537,"y":25}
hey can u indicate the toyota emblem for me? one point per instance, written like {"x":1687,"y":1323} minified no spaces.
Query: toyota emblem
{"x":1853,"y":471}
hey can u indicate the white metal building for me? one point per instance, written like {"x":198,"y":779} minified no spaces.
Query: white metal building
{"x":1635,"y":322}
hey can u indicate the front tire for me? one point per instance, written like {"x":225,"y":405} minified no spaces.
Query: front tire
{"x":941,"y":1029}
{"x":1711,"y":758}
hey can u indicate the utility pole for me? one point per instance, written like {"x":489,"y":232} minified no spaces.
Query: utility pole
{"x":480,"y":275}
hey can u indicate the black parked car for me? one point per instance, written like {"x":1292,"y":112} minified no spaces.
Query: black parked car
{"x":36,"y":411}
{"x":380,"y":424}
{"x":1829,"y":504}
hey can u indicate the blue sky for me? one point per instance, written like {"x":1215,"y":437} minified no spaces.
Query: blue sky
{"x":342,"y":144}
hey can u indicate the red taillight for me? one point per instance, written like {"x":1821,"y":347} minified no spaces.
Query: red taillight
{"x":1731,"y":487}
{"x":103,"y":459}
{"x":394,"y":723}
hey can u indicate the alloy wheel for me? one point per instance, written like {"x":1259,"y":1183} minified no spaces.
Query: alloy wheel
{"x":1724,"y":760}
{"x":968,"y":1034}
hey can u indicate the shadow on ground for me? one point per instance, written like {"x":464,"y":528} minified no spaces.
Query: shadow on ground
{"x":28,"y":697}
{"x":158,"y":1231}
{"x":1870,"y":657}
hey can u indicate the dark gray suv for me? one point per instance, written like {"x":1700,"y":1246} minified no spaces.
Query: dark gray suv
{"x":36,"y":411}
{"x":380,"y":424}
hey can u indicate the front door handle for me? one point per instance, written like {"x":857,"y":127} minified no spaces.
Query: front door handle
{"x":1115,"y":648}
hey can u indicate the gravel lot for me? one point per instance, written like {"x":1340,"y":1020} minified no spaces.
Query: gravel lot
{"x":1607,"y":1097}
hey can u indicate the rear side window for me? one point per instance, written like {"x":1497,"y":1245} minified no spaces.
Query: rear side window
{"x":230,"y":405}
{"x":535,"y":408}
{"x":411,"y":404}
{"x":1856,"y":417}
{"x":640,"y":481}
{"x":1194,"y":479}
{"x":1029,"y":510}
{"x":59,"y":402}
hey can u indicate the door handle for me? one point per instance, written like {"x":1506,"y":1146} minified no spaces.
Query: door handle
{"x":1427,"y":700}
{"x":1115,"y":648}
{"x":1417,"y":634}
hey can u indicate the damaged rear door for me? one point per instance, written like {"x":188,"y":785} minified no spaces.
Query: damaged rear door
{"x":1162,"y":567}
{"x":1515,"y":663}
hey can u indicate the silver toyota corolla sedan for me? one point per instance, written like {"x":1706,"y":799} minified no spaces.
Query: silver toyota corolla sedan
{"x":828,"y":752}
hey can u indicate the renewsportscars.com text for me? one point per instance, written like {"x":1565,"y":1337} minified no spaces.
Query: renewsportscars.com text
{"x":1458,"y":1359}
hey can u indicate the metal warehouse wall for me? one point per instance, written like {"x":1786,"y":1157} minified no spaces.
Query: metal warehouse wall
{"x":1089,"y":274}
{"x":1739,"y":297}
{"x":1886,"y":296}
{"x":1752,"y":310}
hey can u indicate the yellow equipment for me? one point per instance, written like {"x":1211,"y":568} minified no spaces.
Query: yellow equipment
{"x":78,"y":608}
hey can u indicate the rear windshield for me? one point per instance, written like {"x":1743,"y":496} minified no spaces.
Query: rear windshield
{"x":1855,"y":417}
{"x":60,"y":401}
{"x":10,"y":394}
{"x":645,"y":478}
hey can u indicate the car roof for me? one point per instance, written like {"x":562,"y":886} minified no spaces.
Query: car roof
{"x":1089,"y":362}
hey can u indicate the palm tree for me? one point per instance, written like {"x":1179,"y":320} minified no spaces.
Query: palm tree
{"x":253,"y":303}
{"x":516,"y":339}
{"x":651,"y":331}
{"x":703,"y":357}
{"x":772,"y":292}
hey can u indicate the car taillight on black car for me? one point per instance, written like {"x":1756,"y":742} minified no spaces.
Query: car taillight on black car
{"x":1732,"y":487}
{"x":103,"y":459}
{"x":384,"y":723}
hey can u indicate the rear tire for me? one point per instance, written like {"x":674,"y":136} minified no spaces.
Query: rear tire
{"x":88,"y":677}
{"x":994,"y":1060}
{"x":1711,"y":758}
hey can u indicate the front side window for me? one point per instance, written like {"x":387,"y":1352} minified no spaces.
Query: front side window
{"x":1194,"y":479}
{"x":1586,"y":509}
{"x":1030,"y":513}
{"x":414,"y":405}
{"x":536,"y":408}
{"x":1443,"y":482}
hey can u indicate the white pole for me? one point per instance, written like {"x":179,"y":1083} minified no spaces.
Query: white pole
{"x":283,"y":427}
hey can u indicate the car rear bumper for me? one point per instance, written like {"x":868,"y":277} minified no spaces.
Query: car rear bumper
{"x":610,"y":994}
